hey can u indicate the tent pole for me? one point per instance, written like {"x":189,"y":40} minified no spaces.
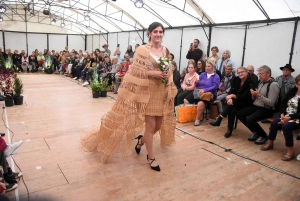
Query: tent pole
{"x":245,"y":39}
{"x":26,"y":31}
{"x":209,"y":41}
{"x":293,"y":41}
{"x":180,"y":49}
{"x":85,"y":42}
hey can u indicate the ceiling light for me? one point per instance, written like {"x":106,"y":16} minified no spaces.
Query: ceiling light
{"x":87,"y":18}
{"x":46,"y":11}
{"x":114,"y":0}
{"x":1,"y":19}
{"x":31,"y":14}
{"x":139,"y":3}
{"x":53,"y":22}
{"x":62,"y":24}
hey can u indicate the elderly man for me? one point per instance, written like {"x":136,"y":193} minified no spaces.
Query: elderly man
{"x":285,"y":81}
{"x":251,"y":74}
{"x":265,"y":98}
{"x":106,"y":50}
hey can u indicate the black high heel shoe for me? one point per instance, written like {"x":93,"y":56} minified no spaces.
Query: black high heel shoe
{"x":138,"y":150}
{"x":217,"y":121}
{"x":156,"y":168}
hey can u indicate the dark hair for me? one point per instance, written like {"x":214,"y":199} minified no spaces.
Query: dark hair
{"x":197,"y":40}
{"x":215,"y":47}
{"x":203,"y":65}
{"x":172,"y":55}
{"x":153,"y":26}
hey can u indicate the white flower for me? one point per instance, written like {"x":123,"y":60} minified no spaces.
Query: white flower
{"x":166,"y":63}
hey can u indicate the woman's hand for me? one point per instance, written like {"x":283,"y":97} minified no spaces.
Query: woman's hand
{"x":229,"y":102}
{"x":201,"y":91}
{"x":158,"y":74}
{"x":284,"y":119}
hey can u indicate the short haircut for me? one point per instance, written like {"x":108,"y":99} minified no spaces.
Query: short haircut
{"x":228,"y":51}
{"x":228,"y":65}
{"x":265,"y":68}
{"x":192,"y":61}
{"x":242,"y":68}
{"x":214,"y":47}
{"x":197,"y":40}
{"x":297,"y":79}
{"x":174,"y":63}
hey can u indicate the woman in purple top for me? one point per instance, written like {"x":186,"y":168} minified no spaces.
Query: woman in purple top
{"x":208,"y":81}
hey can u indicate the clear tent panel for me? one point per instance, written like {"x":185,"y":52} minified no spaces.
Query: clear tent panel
{"x":222,"y":11}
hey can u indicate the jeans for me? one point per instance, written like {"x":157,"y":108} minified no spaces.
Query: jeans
{"x":219,"y":104}
{"x":251,"y":115}
{"x":287,"y":130}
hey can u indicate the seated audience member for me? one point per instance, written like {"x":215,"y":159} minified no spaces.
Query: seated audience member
{"x":171,"y":57}
{"x":223,"y":62}
{"x":214,"y":56}
{"x":17,"y":61}
{"x":129,"y":51}
{"x":239,"y":97}
{"x":182,"y":75}
{"x":25,"y":62}
{"x":48,"y":60}
{"x":78,"y":61}
{"x":40,"y":59}
{"x":225,"y":86}
{"x":252,"y":75}
{"x":208,"y":81}
{"x":106,"y":50}
{"x":263,"y":105}
{"x":62,"y":61}
{"x":55,"y":61}
{"x":188,"y":84}
{"x":287,"y":121}
{"x":117,"y":53}
{"x":9,"y":177}
{"x":80,"y":66}
{"x":119,"y":76}
{"x":200,"y":67}
{"x":176,"y":75}
{"x":33,"y":62}
{"x":89,"y":74}
{"x":285,"y":81}
{"x":115,"y":68}
{"x":127,"y":58}
{"x":135,"y":47}
{"x":107,"y":64}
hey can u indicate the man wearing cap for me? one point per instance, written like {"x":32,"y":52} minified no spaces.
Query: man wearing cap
{"x":106,"y":50}
{"x":285,"y":81}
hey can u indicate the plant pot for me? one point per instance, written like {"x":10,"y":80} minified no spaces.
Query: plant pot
{"x":103,"y":94}
{"x":18,"y":100}
{"x":96,"y":95}
{"x":9,"y":102}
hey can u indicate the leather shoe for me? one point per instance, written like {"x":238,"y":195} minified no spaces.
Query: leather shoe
{"x":261,"y":140}
{"x":266,"y":147}
{"x":253,"y":137}
{"x":298,"y":137}
{"x":228,"y":133}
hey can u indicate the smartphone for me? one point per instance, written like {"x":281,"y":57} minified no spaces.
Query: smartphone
{"x":191,"y":44}
{"x":252,"y":86}
{"x":118,"y":45}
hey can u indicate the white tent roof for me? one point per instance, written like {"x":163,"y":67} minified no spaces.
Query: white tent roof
{"x":122,"y":15}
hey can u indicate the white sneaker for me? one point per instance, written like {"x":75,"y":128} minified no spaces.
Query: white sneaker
{"x":298,"y":157}
{"x":75,"y":78}
{"x":11,"y":148}
{"x":85,"y":84}
{"x":43,"y":69}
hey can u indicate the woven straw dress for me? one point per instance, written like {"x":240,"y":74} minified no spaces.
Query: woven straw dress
{"x":138,"y":96}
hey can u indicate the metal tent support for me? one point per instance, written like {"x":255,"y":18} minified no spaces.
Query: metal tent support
{"x":294,"y":38}
{"x":244,"y":47}
{"x":209,"y":41}
{"x":3,"y":38}
{"x":180,"y":50}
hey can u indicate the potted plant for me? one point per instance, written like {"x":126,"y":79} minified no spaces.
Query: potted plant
{"x":18,"y":90}
{"x":6,"y":85}
{"x":95,"y":86}
{"x":104,"y":87}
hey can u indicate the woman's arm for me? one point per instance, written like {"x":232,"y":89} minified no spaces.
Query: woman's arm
{"x":215,"y":82}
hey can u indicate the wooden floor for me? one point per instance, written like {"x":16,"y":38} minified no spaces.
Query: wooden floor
{"x":56,"y":108}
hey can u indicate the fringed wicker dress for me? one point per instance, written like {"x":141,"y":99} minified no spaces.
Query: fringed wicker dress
{"x":138,"y":96}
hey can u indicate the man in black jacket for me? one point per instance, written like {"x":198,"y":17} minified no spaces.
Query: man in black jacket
{"x":194,"y":52}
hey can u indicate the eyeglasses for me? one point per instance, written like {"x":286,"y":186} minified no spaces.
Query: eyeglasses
{"x":240,"y":72}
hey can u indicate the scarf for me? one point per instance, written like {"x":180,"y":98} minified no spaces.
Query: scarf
{"x":224,"y":82}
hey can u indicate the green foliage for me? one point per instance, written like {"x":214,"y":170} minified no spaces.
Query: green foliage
{"x":95,"y":86}
{"x":18,"y":87}
{"x":104,"y":85}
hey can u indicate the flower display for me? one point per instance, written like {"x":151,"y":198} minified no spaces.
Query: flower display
{"x":6,"y":82}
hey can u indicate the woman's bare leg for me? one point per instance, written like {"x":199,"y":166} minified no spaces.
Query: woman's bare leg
{"x":200,"y":109}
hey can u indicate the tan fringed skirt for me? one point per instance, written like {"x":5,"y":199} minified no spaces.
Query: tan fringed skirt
{"x":158,"y":96}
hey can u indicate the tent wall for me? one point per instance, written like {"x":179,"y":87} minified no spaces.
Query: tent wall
{"x":270,"y":45}
{"x":36,"y":41}
{"x":265,"y":44}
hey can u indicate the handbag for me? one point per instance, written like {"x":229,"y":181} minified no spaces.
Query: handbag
{"x":206,"y":96}
{"x":196,"y":93}
{"x":186,"y":113}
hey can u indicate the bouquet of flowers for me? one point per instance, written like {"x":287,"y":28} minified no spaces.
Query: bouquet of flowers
{"x":6,"y":82}
{"x":164,"y":65}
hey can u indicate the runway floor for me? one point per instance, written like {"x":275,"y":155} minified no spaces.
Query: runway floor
{"x":55,"y":168}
